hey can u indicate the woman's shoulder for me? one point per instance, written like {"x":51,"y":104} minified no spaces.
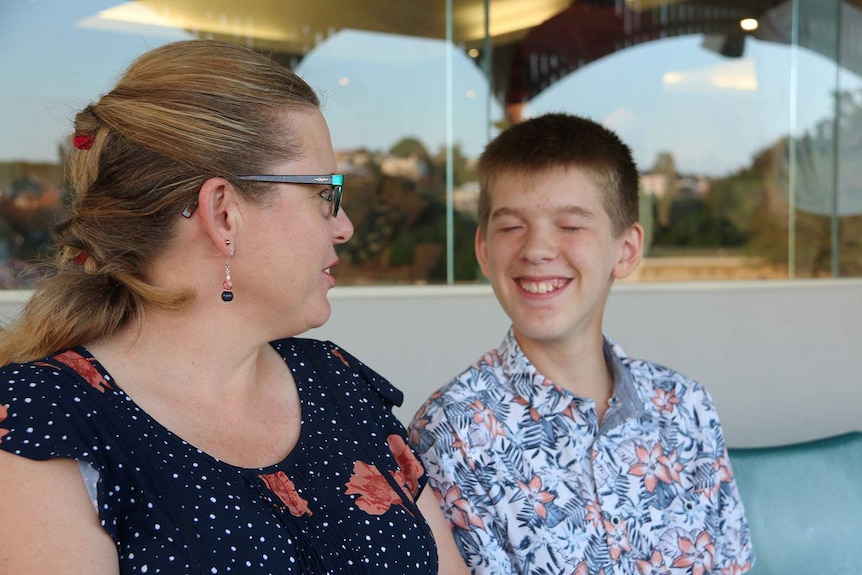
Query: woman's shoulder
{"x":339,"y":365}
{"x":34,"y":379}
{"x":43,"y":411}
{"x":315,"y":349}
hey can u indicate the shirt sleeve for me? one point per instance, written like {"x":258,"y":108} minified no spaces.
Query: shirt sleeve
{"x":465,"y":495}
{"x":733,"y":549}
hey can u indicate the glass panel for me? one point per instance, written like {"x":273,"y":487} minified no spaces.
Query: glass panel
{"x":748,"y":140}
{"x":55,"y":57}
{"x":381,"y":71}
{"x":730,"y":109}
{"x":847,"y":214}
{"x":811,"y":158}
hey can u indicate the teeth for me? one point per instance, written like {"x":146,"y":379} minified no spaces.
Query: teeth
{"x":542,"y":287}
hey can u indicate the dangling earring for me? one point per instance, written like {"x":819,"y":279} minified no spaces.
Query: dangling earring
{"x":227,"y":294}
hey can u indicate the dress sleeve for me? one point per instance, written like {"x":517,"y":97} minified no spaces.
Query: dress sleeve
{"x":733,"y":549}
{"x":463,"y":488}
{"x":44,"y":415}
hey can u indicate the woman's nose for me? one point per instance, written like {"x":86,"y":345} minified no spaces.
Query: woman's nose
{"x":342,"y":227}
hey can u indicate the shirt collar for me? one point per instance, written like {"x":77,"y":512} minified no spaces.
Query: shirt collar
{"x":626,"y":401}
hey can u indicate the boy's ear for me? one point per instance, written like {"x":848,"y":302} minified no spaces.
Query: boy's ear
{"x":481,"y":247}
{"x":217,"y":213}
{"x":631,"y":251}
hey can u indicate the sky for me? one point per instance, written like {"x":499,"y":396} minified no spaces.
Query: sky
{"x":712,"y":113}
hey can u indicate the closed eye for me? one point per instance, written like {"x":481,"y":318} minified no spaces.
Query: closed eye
{"x":508,"y":224}
{"x":327,"y":194}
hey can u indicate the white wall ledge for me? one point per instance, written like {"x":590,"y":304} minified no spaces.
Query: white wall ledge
{"x":781,"y":358}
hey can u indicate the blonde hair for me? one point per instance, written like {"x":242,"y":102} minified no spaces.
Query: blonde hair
{"x":181,"y":113}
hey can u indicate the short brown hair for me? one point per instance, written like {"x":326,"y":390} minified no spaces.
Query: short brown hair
{"x":564,"y":140}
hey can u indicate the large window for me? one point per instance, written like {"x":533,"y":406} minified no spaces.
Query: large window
{"x":744,"y":117}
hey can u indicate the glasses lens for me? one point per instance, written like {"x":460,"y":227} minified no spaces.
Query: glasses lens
{"x":336,"y":200}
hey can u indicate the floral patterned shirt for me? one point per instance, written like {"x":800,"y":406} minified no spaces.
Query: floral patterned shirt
{"x":532,"y":482}
{"x":342,"y":501}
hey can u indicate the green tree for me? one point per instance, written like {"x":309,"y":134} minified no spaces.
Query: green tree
{"x":409,"y":146}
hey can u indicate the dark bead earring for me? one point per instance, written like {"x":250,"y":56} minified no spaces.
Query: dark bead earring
{"x":227,"y":294}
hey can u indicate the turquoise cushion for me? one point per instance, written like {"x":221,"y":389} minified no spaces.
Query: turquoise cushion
{"x":804,"y":505}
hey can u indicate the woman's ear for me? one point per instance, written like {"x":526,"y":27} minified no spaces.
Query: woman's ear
{"x":217,"y":213}
{"x":631,"y":244}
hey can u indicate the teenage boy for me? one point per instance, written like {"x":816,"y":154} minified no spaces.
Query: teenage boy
{"x":557,"y":453}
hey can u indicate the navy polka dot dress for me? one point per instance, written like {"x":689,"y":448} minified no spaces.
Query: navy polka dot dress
{"x":343,"y":501}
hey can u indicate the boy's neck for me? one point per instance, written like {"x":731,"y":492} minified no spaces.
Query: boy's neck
{"x":578,"y":367}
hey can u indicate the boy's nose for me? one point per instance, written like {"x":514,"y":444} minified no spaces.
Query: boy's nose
{"x":539,"y":246}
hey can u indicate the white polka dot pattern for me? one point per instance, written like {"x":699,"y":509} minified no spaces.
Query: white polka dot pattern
{"x":340,"y":502}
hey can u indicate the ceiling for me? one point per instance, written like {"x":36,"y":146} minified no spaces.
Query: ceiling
{"x":293,"y":26}
{"x":296,"y":26}
{"x":581,"y":30}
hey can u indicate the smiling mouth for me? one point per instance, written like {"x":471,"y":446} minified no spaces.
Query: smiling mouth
{"x":328,"y":269}
{"x":543,"y":287}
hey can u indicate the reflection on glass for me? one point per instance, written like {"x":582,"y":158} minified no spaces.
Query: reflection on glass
{"x":734,"y":111}
{"x":747,"y":135}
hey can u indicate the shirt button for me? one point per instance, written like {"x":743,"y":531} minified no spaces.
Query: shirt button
{"x":615,"y":520}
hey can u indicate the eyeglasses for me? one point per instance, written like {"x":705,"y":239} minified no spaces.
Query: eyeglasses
{"x":335,"y":181}
{"x":333,"y":194}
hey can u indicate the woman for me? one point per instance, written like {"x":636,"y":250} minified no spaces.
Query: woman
{"x":156,"y":414}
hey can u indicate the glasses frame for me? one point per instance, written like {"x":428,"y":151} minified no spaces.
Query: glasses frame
{"x":335,"y":181}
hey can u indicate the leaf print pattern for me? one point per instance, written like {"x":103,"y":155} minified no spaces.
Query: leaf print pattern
{"x":618,"y":538}
{"x":376,"y":496}
{"x":84,"y":367}
{"x":654,"y":566}
{"x":654,"y":466}
{"x":4,"y":413}
{"x":283,"y":488}
{"x":410,"y":468}
{"x":460,"y":510}
{"x":532,"y":483}
{"x":338,"y":354}
{"x":484,"y":416}
{"x":538,"y":498}
{"x":696,"y":554}
{"x":665,"y":400}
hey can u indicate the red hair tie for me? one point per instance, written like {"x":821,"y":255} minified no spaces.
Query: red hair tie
{"x":83,"y":142}
{"x":81,"y":258}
